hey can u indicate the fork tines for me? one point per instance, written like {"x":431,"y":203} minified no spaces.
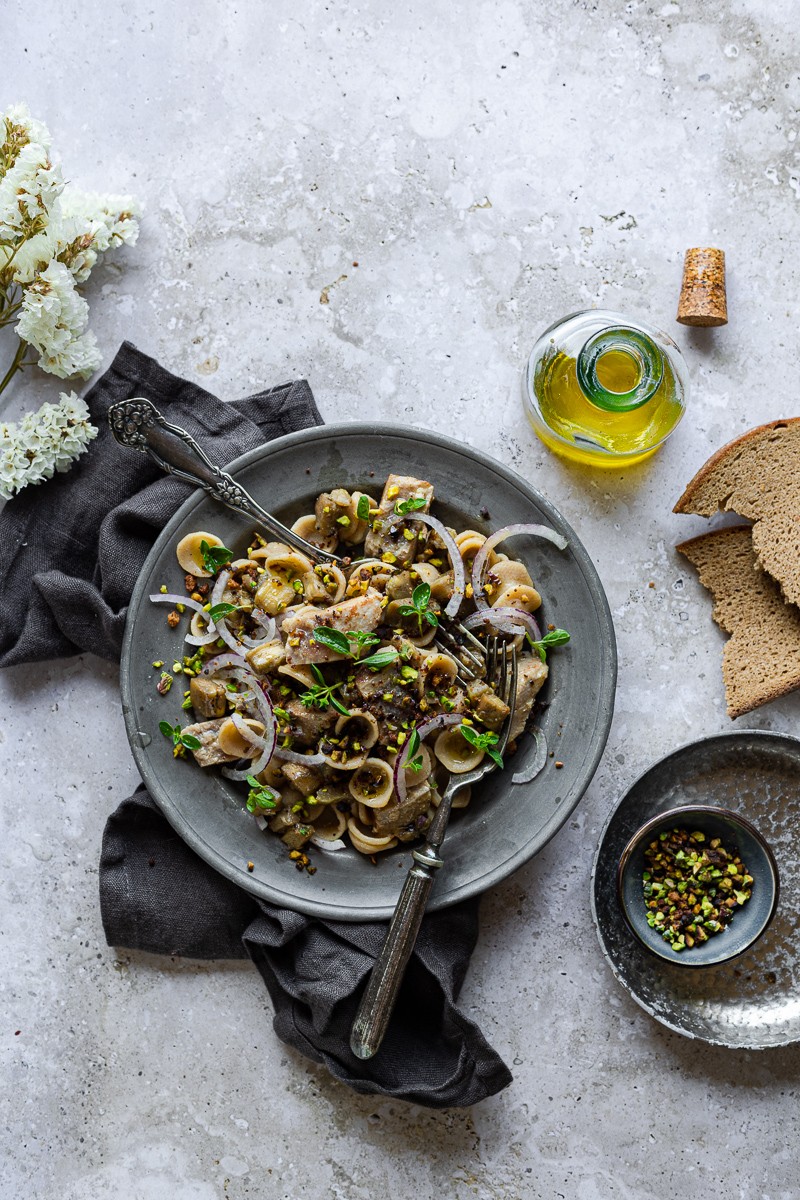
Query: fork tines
{"x":462,"y":644}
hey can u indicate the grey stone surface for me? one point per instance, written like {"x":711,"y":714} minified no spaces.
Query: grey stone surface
{"x":489,"y":166}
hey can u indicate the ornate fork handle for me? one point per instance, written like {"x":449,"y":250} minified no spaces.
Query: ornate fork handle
{"x":137,"y":424}
{"x":378,"y":1001}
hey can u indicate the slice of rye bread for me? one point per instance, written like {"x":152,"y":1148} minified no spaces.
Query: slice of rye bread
{"x":761,"y":659}
{"x":758,"y":477}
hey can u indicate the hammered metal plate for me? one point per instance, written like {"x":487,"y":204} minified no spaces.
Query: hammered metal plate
{"x":754,"y":1001}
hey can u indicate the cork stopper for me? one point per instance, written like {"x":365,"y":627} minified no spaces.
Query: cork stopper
{"x":702,"y":299}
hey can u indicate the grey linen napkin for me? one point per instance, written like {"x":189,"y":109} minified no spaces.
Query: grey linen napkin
{"x":70,"y":553}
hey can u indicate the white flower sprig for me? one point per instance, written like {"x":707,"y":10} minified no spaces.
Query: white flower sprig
{"x":43,"y":442}
{"x":51,"y":236}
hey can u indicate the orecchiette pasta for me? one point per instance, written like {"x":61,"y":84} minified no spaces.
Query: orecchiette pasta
{"x":325,"y":688}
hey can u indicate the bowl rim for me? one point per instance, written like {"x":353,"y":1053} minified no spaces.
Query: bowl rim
{"x":595,"y":744}
{"x":671,"y":814}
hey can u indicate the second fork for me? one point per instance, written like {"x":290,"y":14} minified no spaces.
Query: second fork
{"x":379,"y":998}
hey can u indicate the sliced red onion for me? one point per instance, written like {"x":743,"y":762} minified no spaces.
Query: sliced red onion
{"x":423,"y":729}
{"x":220,"y":583}
{"x":456,"y":561}
{"x":173,"y":599}
{"x":249,"y":735}
{"x":227,"y":636}
{"x":500,"y":535}
{"x":264,"y":706}
{"x":261,"y":822}
{"x":316,"y":840}
{"x":506,"y":620}
{"x":251,"y":643}
{"x":308,"y":760}
{"x":539,"y":759}
{"x":224,"y":660}
{"x":265,"y":621}
{"x":479,"y":564}
{"x":268,"y":630}
{"x":205,"y":640}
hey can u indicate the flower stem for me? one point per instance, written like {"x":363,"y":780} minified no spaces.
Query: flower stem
{"x":15,"y":366}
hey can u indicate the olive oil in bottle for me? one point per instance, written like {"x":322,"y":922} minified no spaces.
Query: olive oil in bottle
{"x":604,"y":390}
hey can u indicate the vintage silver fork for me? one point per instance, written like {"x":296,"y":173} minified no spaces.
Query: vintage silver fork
{"x":138,"y":425}
{"x":379,"y":998}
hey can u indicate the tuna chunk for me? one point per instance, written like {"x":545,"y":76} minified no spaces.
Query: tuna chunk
{"x":208,"y":696}
{"x":296,"y":837}
{"x":309,"y":724}
{"x":208,"y":753}
{"x":395,"y":818}
{"x":362,"y":612}
{"x":386,"y":534}
{"x":305,"y":779}
{"x":487,"y":705}
{"x":266,"y":658}
{"x":330,"y":506}
{"x":531,"y":674}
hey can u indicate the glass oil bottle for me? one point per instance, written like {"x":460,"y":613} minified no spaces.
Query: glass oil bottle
{"x":604,"y":390}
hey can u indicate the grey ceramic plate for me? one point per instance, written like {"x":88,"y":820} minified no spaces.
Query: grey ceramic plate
{"x":504,"y":825}
{"x":750,"y":1002}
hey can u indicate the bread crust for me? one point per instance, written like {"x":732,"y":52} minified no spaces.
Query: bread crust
{"x":687,"y":502}
{"x":726,"y":564}
{"x":758,"y":476}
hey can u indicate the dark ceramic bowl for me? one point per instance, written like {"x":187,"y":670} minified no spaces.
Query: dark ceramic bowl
{"x":748,"y":922}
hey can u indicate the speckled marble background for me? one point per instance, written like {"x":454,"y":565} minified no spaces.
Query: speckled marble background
{"x":488,"y":166}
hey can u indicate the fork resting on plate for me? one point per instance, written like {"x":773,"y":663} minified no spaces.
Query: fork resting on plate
{"x":380,"y":996}
{"x":138,"y":425}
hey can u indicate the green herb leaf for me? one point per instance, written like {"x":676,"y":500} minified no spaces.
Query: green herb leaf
{"x":420,"y":606}
{"x":223,"y":609}
{"x":413,"y":759}
{"x":260,"y":797}
{"x":361,"y":638}
{"x":421,"y":596}
{"x":215,"y":557}
{"x":179,"y":738}
{"x":402,"y":507}
{"x":362,"y":508}
{"x":555,"y":637}
{"x":482,"y":741}
{"x":334,"y":639}
{"x":321,"y":694}
{"x":381,"y":658}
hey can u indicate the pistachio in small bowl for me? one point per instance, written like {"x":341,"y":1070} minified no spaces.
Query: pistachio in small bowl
{"x":697,"y":885}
